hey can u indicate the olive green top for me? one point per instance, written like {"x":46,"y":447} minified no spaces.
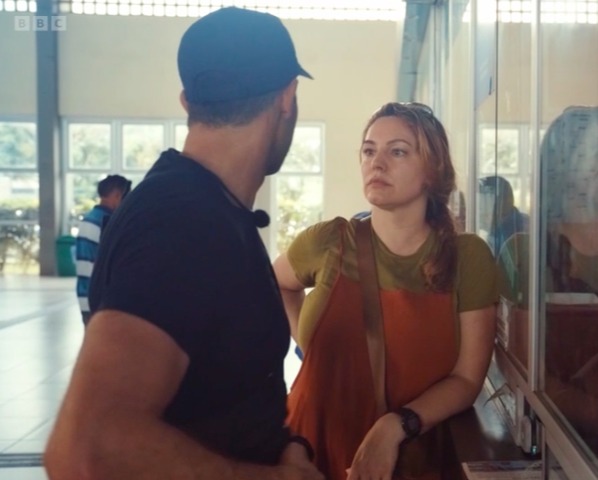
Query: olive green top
{"x":315,"y":257}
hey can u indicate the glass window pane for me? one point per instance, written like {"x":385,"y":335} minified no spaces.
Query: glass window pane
{"x":569,"y":227}
{"x":503,"y":191}
{"x":19,"y":248}
{"x":299,"y":205}
{"x":89,"y":145}
{"x":17,"y":145}
{"x":305,"y":154}
{"x":142,"y":145}
{"x":570,"y":170}
{"x":180,"y":134}
{"x":20,"y":192}
{"x":81,"y":194}
{"x":504,"y":155}
{"x":19,"y":218}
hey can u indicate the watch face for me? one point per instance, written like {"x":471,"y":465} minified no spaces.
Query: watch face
{"x":411,"y":422}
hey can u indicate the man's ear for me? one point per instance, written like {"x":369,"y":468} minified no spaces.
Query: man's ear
{"x":288,"y":99}
{"x":183,"y":101}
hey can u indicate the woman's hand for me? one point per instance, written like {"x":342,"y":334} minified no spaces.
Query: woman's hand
{"x":377,"y":455}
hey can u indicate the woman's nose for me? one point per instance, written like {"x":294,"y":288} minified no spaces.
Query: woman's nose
{"x":378,"y":162}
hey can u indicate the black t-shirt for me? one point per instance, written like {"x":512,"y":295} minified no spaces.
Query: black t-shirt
{"x":181,"y":254}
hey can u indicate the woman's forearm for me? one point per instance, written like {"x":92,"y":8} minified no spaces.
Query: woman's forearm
{"x":459,"y":390}
{"x":293,"y":300}
{"x":444,"y":399}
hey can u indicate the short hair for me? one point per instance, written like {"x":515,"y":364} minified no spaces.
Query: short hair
{"x":112,"y":183}
{"x":232,"y":112}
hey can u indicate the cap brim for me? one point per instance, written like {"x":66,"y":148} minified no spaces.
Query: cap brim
{"x":304,"y":73}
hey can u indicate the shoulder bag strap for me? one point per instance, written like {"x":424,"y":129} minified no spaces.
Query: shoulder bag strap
{"x":372,"y":310}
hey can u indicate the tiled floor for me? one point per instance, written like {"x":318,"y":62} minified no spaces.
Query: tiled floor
{"x":40,"y":335}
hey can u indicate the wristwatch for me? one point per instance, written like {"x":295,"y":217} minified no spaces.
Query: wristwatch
{"x":305,"y":442}
{"x":410,"y":421}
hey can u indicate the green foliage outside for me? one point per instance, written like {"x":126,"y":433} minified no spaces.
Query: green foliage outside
{"x":503,"y":157}
{"x":293,"y":215}
{"x":85,"y":194}
{"x":19,"y":239}
{"x":17,"y":145}
{"x":142,"y":145}
{"x":304,"y":154}
{"x":299,"y":196}
{"x":89,"y":145}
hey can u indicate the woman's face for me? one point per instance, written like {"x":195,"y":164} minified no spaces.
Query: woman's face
{"x":391,"y":166}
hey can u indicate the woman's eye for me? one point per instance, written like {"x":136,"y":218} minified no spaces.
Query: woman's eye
{"x":397,"y":152}
{"x":367,"y":152}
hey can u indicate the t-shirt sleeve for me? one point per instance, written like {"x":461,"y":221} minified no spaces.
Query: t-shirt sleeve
{"x":307,"y":253}
{"x":167,"y":274}
{"x":477,"y":285}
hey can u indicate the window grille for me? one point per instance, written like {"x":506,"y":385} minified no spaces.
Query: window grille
{"x":551,"y":11}
{"x":368,"y":10}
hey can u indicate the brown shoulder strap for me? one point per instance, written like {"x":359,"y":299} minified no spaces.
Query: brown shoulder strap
{"x":372,"y":310}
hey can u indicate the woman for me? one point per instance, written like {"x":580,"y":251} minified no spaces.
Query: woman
{"x":437,"y":292}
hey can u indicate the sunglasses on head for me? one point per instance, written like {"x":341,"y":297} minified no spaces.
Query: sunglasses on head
{"x":401,"y":108}
{"x":422,"y":107}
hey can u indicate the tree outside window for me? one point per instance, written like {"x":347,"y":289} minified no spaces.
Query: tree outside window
{"x":299,"y":186}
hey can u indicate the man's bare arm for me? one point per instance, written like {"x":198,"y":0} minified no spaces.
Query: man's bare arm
{"x":110,"y":423}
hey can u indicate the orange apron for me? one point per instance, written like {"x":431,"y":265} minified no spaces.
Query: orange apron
{"x":332,"y":402}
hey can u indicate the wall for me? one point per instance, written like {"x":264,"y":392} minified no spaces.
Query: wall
{"x":126,"y":67}
{"x":17,"y":69}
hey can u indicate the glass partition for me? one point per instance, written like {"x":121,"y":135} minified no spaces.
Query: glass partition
{"x":569,"y":224}
{"x":455,"y":101}
{"x":569,"y":166}
{"x":519,"y":82}
{"x":511,"y":183}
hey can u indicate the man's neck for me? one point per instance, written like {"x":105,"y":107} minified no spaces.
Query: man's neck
{"x":236,"y":155}
{"x":106,"y":204}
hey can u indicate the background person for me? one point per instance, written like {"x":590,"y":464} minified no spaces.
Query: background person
{"x":437,"y":292}
{"x":111,"y":191}
{"x":180,"y":375}
{"x":498,"y":214}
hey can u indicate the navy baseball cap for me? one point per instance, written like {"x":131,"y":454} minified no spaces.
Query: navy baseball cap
{"x":234,"y":54}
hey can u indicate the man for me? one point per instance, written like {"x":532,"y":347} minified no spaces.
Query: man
{"x":180,"y":375}
{"x":111,"y":191}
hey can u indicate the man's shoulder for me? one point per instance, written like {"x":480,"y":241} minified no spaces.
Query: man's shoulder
{"x":176,"y":178}
{"x":96,"y":215}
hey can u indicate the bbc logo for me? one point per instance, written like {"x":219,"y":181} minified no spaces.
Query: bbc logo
{"x":26,"y":23}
